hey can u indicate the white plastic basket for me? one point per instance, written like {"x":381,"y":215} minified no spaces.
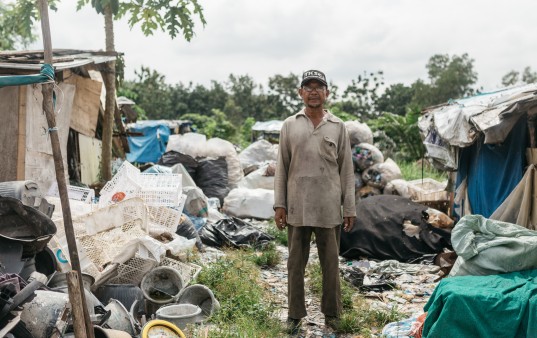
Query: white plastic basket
{"x":162,"y":189}
{"x":156,"y":189}
{"x":427,"y":189}
{"x":122,"y":186}
{"x":188,"y":271}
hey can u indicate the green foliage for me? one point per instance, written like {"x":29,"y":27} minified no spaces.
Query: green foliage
{"x":17,"y":21}
{"x":420,"y":169}
{"x":280,"y":236}
{"x":395,"y":99}
{"x":450,"y":78}
{"x":100,"y":5}
{"x":215,"y":125}
{"x":516,"y":78}
{"x":284,"y":91}
{"x":246,"y":132}
{"x":267,"y":256}
{"x":165,"y":15}
{"x":403,"y":131}
{"x":234,"y":279}
{"x":360,"y":97}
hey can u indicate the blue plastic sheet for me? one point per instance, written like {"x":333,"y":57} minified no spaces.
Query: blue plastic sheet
{"x":150,"y":146}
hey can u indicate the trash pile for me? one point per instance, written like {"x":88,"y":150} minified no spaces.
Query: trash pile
{"x":134,"y":239}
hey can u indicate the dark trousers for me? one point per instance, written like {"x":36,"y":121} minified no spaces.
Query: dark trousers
{"x":327,"y":240}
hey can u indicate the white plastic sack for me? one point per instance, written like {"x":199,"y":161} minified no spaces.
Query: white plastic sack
{"x":258,"y":180}
{"x":192,"y":144}
{"x":397,"y":187}
{"x":196,"y":202}
{"x":359,"y":132}
{"x":378,"y":175}
{"x":257,"y":153}
{"x":364,"y":155}
{"x":249,"y":203}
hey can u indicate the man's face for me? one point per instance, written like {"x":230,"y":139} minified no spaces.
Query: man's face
{"x":314,"y":94}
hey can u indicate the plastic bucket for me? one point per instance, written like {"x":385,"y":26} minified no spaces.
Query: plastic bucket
{"x":127,"y":294}
{"x":201,"y":296}
{"x":162,"y":285}
{"x":179,"y":314}
{"x":120,"y":319}
{"x":108,"y":333}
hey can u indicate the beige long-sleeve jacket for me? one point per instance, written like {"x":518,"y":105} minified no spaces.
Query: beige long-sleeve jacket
{"x":314,"y":174}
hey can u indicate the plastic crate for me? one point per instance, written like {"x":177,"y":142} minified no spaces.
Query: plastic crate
{"x":163,"y":189}
{"x":124,"y":185}
{"x":427,"y":189}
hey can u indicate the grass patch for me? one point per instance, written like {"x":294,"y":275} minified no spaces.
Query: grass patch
{"x":268,"y":257}
{"x":246,"y":309}
{"x":413,"y":171}
{"x":357,"y":316}
{"x":280,"y":236}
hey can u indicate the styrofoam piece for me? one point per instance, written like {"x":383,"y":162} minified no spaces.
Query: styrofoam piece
{"x":81,"y":194}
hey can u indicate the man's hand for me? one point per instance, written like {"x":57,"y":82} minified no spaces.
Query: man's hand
{"x":348,"y":223}
{"x":280,"y":217}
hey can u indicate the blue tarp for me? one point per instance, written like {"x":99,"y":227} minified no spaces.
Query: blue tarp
{"x":150,"y":146}
{"x":493,"y":171}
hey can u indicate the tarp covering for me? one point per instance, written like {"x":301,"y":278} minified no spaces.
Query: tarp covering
{"x":273,"y":126}
{"x":150,"y":146}
{"x":486,"y":247}
{"x":379,"y":231}
{"x":520,"y":207}
{"x":493,"y":171}
{"x":46,"y":75}
{"x":483,"y":306}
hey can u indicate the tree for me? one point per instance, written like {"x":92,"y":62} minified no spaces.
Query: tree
{"x":395,"y":99}
{"x":16,"y":23}
{"x":167,"y":15}
{"x":514,"y":78}
{"x":450,"y":78}
{"x":149,"y":85}
{"x":284,"y":92}
{"x":360,"y":97}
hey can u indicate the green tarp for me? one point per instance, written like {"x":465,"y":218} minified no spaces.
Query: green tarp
{"x":46,"y":75}
{"x":502,"y":305}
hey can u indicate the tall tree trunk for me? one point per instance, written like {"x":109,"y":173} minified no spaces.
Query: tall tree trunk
{"x":110,"y":105}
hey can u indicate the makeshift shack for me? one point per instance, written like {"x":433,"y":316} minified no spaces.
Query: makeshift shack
{"x":26,"y":151}
{"x":269,"y":130}
{"x":485,"y":139}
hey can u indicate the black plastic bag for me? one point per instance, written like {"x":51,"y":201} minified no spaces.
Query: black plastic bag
{"x":171,"y":158}
{"x":187,"y":229}
{"x":233,"y":232}
{"x":212,"y":178}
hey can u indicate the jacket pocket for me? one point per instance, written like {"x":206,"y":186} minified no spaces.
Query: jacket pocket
{"x":328,"y":149}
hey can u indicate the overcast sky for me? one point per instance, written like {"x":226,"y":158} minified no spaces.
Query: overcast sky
{"x":343,"y":38}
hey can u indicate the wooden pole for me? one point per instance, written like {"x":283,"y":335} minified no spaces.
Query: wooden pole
{"x":80,"y":299}
{"x":73,"y":286}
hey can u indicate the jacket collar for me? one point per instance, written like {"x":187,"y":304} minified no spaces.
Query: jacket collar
{"x":330,"y":117}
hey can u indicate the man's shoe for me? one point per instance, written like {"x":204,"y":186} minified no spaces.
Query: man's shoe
{"x":293,"y":326}
{"x":332,"y":322}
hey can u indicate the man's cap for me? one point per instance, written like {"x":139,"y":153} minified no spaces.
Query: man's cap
{"x":312,"y":74}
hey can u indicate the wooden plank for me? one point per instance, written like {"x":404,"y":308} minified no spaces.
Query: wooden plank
{"x":86,"y":105}
{"x":21,"y":139}
{"x":39,"y":165}
{"x":90,"y":159}
{"x":9,"y":128}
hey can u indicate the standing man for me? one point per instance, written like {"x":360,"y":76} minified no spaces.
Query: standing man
{"x":314,"y":179}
